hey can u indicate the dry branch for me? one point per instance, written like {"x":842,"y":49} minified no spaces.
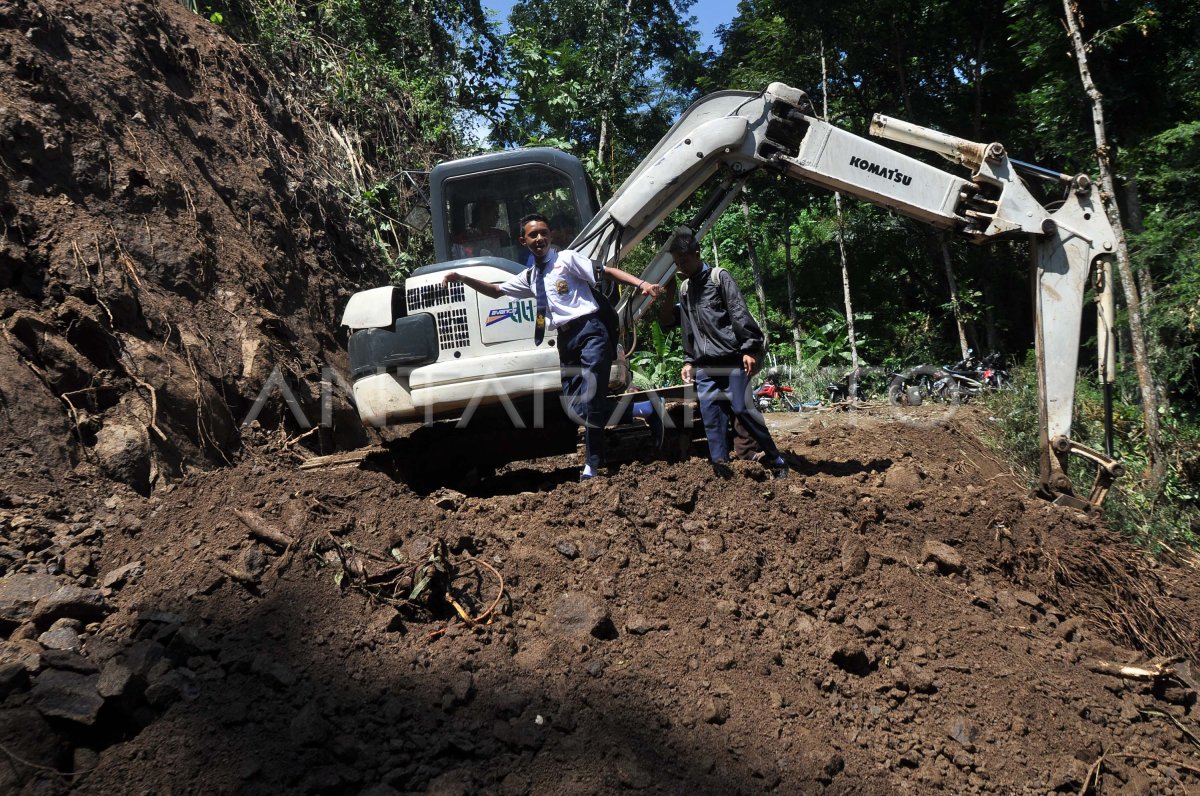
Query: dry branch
{"x":259,"y":529}
{"x":233,"y":573}
{"x":1151,"y":671}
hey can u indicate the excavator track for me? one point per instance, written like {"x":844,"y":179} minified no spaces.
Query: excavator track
{"x":450,"y":454}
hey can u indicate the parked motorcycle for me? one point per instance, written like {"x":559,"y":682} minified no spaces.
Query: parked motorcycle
{"x":955,"y":383}
{"x":918,"y":384}
{"x":772,"y":396}
{"x":969,"y":377}
{"x":994,"y":376}
{"x":840,"y":391}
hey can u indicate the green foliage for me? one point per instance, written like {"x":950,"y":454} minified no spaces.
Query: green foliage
{"x":828,"y":343}
{"x":603,"y":75}
{"x":1168,"y":518}
{"x":1168,"y":165}
{"x":660,"y":364}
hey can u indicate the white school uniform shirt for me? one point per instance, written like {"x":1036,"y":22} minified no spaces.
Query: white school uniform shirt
{"x":569,"y":283}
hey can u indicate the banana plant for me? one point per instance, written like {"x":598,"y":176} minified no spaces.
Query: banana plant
{"x":658,"y":365}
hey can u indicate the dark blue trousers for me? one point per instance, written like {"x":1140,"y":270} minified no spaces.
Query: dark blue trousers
{"x":724,"y":393}
{"x":585,"y":355}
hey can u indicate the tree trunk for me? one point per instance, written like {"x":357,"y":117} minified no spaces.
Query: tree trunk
{"x":1158,"y":464}
{"x":841,"y":242}
{"x":754,"y":269}
{"x":787,"y":269}
{"x":609,"y":100}
{"x":954,"y":305}
{"x":850,"y":337}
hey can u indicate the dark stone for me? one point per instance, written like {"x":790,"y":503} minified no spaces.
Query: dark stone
{"x":20,"y":592}
{"x":854,"y":558}
{"x":945,"y":557}
{"x":1028,"y":598}
{"x":143,"y":656}
{"x":115,"y":679}
{"x":580,"y":615}
{"x":962,"y":730}
{"x":123,"y":451}
{"x":639,"y":625}
{"x":67,"y":695}
{"x":171,"y":687}
{"x":122,"y":575}
{"x":23,"y":732}
{"x":62,"y":635}
{"x":12,"y":677}
{"x":69,"y":661}
{"x":70,"y":602}
{"x":26,"y":652}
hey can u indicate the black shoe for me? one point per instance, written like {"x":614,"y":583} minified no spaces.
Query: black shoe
{"x":779,"y":469}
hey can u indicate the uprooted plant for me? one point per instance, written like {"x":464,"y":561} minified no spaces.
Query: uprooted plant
{"x":433,"y":588}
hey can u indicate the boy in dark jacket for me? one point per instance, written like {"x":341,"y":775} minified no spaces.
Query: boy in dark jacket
{"x":722,"y":349}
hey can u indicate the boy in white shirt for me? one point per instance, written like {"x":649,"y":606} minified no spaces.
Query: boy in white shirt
{"x":562,"y":282}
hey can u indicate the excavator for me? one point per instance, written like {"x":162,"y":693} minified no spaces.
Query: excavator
{"x":432,"y":353}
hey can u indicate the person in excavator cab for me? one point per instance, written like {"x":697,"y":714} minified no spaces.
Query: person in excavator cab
{"x":722,"y":348}
{"x":563,"y":285}
{"x":483,"y":238}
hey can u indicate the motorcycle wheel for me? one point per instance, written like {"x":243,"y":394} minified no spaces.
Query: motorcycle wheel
{"x":897,"y":391}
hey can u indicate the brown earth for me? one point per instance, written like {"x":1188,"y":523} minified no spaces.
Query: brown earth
{"x":895,"y":617}
{"x":169,"y":236}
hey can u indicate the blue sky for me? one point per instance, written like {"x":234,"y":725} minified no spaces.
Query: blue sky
{"x":708,"y":13}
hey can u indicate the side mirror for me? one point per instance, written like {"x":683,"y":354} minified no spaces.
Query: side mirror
{"x":418,"y":218}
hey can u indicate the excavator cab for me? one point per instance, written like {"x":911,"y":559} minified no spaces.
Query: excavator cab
{"x":477,"y":203}
{"x":429,"y":351}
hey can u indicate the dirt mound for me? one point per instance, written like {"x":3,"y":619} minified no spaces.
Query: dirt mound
{"x":169,"y":238}
{"x":891,"y":618}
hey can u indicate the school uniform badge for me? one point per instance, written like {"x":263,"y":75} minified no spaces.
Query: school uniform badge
{"x":561,"y":287}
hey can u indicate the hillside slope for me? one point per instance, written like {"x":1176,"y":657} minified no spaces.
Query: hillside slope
{"x":170,"y":237}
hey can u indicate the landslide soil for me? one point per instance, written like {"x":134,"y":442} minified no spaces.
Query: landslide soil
{"x":186,"y":610}
{"x":660,"y":629}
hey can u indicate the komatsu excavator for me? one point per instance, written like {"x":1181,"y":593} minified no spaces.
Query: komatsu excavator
{"x":429,"y":352}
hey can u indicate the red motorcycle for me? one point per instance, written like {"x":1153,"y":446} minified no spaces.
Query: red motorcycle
{"x":772,"y":396}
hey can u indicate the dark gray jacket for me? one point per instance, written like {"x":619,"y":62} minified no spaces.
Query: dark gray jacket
{"x":717,"y":326}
